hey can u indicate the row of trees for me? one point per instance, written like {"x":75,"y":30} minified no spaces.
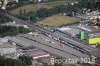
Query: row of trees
{"x":89,"y":4}
{"x":27,"y":59}
{"x":23,"y":60}
{"x":4,"y":19}
{"x":11,"y":62}
{"x":12,"y":30}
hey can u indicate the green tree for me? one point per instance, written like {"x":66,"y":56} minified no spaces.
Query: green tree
{"x":4,"y":19}
{"x":27,"y":59}
{"x":98,"y":45}
{"x":60,"y":64}
{"x":33,"y":19}
{"x":24,"y":11}
{"x":12,"y":30}
{"x":20,"y":12}
{"x":10,"y":62}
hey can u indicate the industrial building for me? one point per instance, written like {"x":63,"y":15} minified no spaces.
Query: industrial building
{"x":94,"y":41}
{"x":39,"y":54}
{"x":4,"y":39}
{"x":84,"y":28}
{"x":69,"y":31}
{"x":7,"y":49}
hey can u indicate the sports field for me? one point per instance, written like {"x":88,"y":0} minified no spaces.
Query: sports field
{"x":58,"y":20}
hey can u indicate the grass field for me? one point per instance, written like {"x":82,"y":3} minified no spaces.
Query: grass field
{"x":28,"y":8}
{"x":34,"y":7}
{"x":58,"y":20}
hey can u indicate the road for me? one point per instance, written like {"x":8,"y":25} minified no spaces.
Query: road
{"x":47,"y":44}
{"x":88,"y":49}
{"x":41,"y":30}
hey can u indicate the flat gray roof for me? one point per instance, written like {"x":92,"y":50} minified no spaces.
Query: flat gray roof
{"x":6,"y":46}
{"x":70,"y":30}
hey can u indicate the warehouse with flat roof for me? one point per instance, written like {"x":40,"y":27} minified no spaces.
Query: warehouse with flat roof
{"x":68,"y":30}
{"x":7,"y":49}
